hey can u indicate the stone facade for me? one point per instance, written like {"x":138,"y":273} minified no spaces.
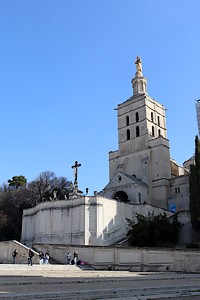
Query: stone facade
{"x":83,"y":221}
{"x":179,"y":194}
{"x":198,"y":114}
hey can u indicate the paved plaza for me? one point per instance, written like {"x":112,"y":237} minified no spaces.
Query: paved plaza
{"x":20,"y":282}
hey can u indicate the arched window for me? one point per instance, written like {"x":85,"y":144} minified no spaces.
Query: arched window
{"x":137,"y":131}
{"x":128,"y":134}
{"x":153,"y":134}
{"x":127,"y":120}
{"x":152,"y":116}
{"x":137,"y":117}
{"x":158,"y":121}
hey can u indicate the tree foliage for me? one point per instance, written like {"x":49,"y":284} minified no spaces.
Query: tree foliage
{"x":12,"y":203}
{"x":18,"y":195}
{"x":17,"y":181}
{"x":152,"y":231}
{"x":41,"y":189}
{"x":6,"y":226}
{"x":195,"y":189}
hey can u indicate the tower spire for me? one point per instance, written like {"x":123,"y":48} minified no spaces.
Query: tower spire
{"x":139,"y":82}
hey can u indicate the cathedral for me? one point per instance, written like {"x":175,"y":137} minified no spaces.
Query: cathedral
{"x":141,"y":169}
{"x":143,"y":178}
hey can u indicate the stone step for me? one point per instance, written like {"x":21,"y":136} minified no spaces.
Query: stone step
{"x":50,"y":267}
{"x":119,"y":294}
{"x":59,"y":282}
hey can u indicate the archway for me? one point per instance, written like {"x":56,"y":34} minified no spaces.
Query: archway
{"x":121,"y":196}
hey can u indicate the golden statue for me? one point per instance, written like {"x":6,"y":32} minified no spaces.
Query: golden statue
{"x":138,"y":63}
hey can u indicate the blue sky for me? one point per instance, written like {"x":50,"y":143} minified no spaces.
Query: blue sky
{"x":64,"y":67}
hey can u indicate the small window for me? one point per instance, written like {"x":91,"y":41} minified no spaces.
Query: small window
{"x":137,"y":131}
{"x":152,"y":116}
{"x":119,"y":178}
{"x":153,"y":134}
{"x":128,"y":133}
{"x":127,"y":120}
{"x":137,"y":117}
{"x":159,"y":132}
{"x":139,"y":198}
{"x":158,"y":121}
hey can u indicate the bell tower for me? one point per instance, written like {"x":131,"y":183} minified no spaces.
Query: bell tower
{"x":142,"y":141}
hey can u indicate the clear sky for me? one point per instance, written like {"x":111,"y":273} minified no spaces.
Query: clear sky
{"x":66,"y":64}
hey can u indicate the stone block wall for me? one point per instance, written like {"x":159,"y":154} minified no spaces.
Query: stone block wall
{"x":130,"y":258}
{"x":6,"y":250}
{"x":95,"y":221}
{"x":115,"y":258}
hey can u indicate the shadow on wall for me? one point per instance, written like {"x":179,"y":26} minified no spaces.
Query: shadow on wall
{"x":187,"y":235}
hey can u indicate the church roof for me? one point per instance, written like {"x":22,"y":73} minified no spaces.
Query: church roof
{"x":116,"y":180}
{"x":190,"y":159}
{"x":133,"y":177}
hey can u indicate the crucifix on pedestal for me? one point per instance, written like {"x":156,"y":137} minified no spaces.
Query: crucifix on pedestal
{"x":75,"y":167}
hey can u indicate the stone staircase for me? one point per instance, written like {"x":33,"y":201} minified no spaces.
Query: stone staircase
{"x":51,"y":282}
{"x":53,"y":262}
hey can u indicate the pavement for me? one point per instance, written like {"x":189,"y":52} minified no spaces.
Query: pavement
{"x":50,"y":282}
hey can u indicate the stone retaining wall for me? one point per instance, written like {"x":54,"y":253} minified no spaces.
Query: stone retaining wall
{"x":6,"y":250}
{"x":114,"y":258}
{"x":129,"y":258}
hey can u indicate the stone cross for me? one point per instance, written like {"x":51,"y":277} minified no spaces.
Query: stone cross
{"x":75,"y":167}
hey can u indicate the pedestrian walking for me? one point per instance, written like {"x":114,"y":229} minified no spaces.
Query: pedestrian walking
{"x":75,"y":257}
{"x":30,"y":256}
{"x":46,"y":257}
{"x":41,"y":258}
{"x":14,"y":255}
{"x":69,"y":258}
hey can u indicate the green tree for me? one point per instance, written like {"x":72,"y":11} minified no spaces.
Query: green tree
{"x":195,"y":189}
{"x":152,"y":231}
{"x":17,"y":181}
{"x":6,"y":226}
{"x":14,"y":198}
{"x":10,"y":219}
{"x":12,"y":203}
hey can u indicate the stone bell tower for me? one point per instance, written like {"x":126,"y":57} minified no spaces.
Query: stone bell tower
{"x":143,"y":145}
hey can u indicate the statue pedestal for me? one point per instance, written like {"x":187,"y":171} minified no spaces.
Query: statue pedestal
{"x":138,"y":74}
